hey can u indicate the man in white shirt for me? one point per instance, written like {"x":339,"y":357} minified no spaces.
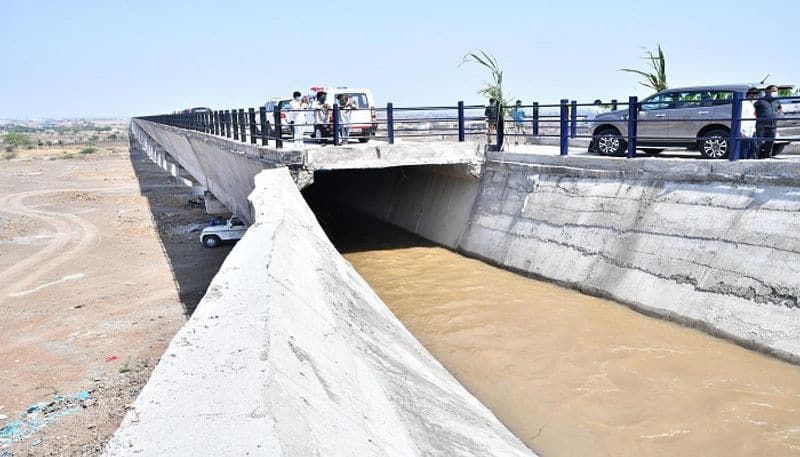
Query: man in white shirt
{"x":748,"y":126}
{"x":297,"y":117}
{"x":321,"y":116}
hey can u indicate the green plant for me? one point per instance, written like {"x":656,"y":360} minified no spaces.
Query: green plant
{"x":8,"y":155}
{"x":9,"y":148}
{"x":85,"y":151}
{"x":657,"y":78}
{"x":67,"y":155}
{"x":93,"y":138}
{"x":494,"y":88}
{"x":112,"y":137}
{"x":16,"y":139}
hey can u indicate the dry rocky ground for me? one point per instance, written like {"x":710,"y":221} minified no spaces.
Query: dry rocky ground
{"x":99,"y":270}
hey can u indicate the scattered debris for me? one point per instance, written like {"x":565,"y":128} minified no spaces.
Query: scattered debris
{"x":39,"y":415}
{"x":111,"y":358}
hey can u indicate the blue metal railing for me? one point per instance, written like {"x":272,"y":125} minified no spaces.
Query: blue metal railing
{"x":461,"y":121}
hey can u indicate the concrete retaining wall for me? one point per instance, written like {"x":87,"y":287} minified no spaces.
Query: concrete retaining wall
{"x":291,"y":353}
{"x":708,"y":243}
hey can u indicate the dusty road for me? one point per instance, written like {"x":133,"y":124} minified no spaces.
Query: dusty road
{"x":99,"y":269}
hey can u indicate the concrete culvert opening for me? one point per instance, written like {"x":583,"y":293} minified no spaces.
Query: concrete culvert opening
{"x":569,"y":374}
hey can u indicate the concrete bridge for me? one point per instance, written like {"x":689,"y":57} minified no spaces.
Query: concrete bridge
{"x":291,"y":353}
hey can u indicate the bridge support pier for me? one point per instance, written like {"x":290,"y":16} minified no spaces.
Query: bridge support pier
{"x":214,"y":206}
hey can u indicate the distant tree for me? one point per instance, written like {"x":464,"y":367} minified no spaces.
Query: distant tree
{"x":656,"y":79}
{"x":17,"y":139}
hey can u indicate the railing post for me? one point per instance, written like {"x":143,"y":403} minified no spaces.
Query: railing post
{"x":336,"y":120}
{"x":535,"y":119}
{"x":573,"y":119}
{"x":251,"y":113}
{"x":227,"y":123}
{"x":242,"y":126}
{"x":501,"y":123}
{"x":390,"y":122}
{"x":736,"y":127}
{"x":262,"y":117}
{"x":614,"y":104}
{"x":633,"y":124}
{"x":214,"y":121}
{"x":564,"y":129}
{"x":217,"y":124}
{"x":461,"y":129}
{"x":235,"y":122}
{"x":276,"y":114}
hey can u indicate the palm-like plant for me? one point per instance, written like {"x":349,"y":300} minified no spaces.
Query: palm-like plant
{"x":493,"y":89}
{"x":657,"y":78}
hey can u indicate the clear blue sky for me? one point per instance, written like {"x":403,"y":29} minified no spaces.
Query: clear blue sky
{"x":115,"y":58}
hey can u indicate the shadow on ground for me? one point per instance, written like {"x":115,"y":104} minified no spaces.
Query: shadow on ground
{"x":193,"y":266}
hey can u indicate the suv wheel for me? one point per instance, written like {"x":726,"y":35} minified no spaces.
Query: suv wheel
{"x":211,"y":241}
{"x":714,"y":144}
{"x":610,"y":142}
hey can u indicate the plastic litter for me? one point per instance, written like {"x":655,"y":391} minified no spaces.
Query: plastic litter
{"x":111,"y":358}
{"x":39,"y":415}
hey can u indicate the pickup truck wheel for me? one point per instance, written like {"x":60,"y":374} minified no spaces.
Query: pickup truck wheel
{"x":211,"y":241}
{"x":363,"y":140}
{"x":610,"y":142}
{"x":778,"y":148}
{"x":714,"y":144}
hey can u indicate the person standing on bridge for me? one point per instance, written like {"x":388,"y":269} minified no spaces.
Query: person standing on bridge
{"x":346,"y":112}
{"x":765,"y":127}
{"x":492,"y":113}
{"x":297,"y":116}
{"x":321,"y":116}
{"x":518,"y":114}
{"x":748,"y":125}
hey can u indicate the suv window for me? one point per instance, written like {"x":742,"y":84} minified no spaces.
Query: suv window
{"x":359,"y":99}
{"x":721,"y":98}
{"x":694,"y":99}
{"x":660,"y":101}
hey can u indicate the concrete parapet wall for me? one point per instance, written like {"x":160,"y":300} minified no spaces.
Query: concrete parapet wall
{"x":711,"y":244}
{"x":226,"y":174}
{"x":291,"y":353}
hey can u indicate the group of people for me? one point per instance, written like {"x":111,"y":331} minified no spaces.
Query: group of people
{"x":323,"y":126}
{"x":758,"y":125}
{"x":492,"y":113}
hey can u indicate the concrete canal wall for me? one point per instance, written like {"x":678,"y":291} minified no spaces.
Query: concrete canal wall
{"x":291,"y":353}
{"x":710,"y":244}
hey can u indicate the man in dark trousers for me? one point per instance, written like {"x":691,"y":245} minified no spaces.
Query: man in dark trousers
{"x":765,"y":127}
{"x":491,"y":112}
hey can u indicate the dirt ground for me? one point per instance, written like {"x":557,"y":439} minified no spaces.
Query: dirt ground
{"x":99,"y":269}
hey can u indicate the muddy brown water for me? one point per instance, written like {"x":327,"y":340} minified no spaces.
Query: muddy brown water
{"x":575,"y":375}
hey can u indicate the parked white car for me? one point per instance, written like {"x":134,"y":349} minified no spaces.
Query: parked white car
{"x":229,"y":231}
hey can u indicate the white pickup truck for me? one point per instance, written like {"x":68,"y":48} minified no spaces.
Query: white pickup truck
{"x":215,"y":234}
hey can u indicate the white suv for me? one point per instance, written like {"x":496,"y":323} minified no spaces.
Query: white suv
{"x":231,"y":230}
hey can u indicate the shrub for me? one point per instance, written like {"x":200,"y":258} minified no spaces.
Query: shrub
{"x":85,"y":151}
{"x":112,"y":137}
{"x":93,"y":138}
{"x":9,"y":148}
{"x":17,"y":139}
{"x":8,"y":155}
{"x":67,"y":155}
